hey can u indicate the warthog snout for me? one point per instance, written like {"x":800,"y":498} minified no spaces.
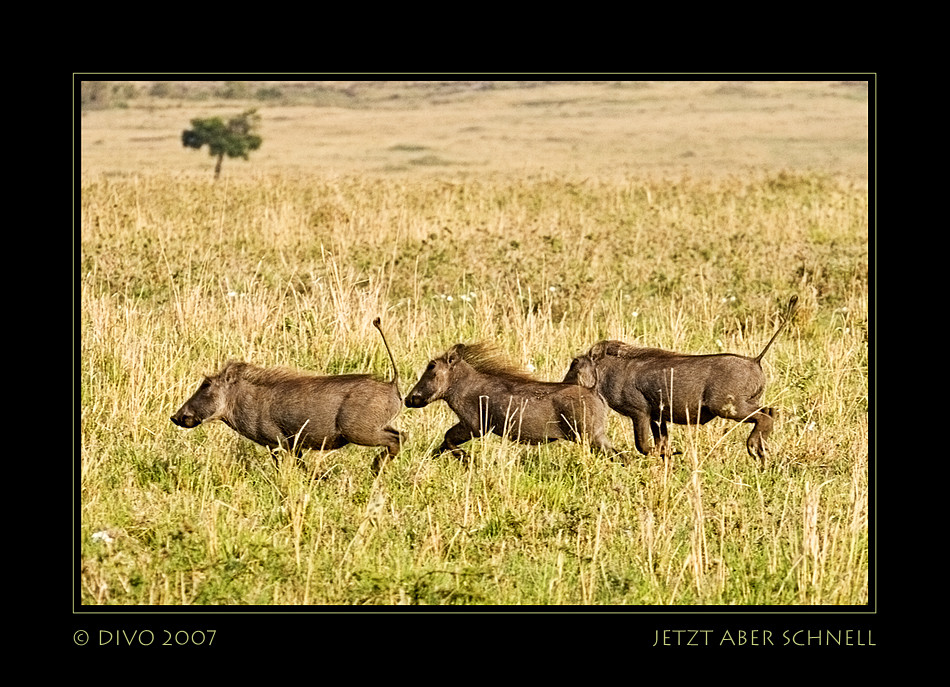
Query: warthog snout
{"x":433,"y":383}
{"x":185,"y":419}
{"x":416,"y":401}
{"x":206,"y":403}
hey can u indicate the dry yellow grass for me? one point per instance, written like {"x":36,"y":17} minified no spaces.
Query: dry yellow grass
{"x":674,"y":214}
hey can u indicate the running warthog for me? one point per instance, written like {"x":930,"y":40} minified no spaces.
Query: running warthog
{"x":282,"y":408}
{"x":652,"y":387}
{"x":488,"y":394}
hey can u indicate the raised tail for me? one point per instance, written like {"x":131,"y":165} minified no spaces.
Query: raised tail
{"x":792,"y":307}
{"x":392,"y":360}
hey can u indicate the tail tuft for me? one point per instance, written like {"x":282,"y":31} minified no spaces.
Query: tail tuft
{"x":395,"y":381}
{"x":789,"y":312}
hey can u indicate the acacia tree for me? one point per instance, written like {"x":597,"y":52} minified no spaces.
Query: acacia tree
{"x":235,"y":139}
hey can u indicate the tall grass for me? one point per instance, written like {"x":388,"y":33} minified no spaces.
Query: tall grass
{"x":179,"y":274}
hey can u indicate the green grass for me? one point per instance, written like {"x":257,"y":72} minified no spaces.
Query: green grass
{"x":178,"y":274}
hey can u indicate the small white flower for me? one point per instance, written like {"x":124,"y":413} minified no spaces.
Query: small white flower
{"x":530,"y":367}
{"x":448,"y":298}
{"x":552,"y":289}
{"x":102,"y":536}
{"x":232,"y":294}
{"x":634,"y":314}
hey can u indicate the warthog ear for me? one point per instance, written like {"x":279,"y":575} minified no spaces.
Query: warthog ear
{"x":598,"y":350}
{"x":454,"y":354}
{"x":231,"y":372}
{"x":587,"y":376}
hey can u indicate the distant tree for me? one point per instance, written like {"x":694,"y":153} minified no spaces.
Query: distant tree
{"x":235,"y":139}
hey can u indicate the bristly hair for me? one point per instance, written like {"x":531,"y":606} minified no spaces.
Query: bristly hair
{"x":487,"y":359}
{"x":619,"y":349}
{"x":266,"y":376}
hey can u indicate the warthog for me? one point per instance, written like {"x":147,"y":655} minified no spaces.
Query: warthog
{"x":652,"y":387}
{"x":283,"y":408}
{"x":488,"y":394}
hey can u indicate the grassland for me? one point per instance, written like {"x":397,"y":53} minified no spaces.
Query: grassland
{"x":542,"y":219}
